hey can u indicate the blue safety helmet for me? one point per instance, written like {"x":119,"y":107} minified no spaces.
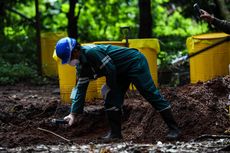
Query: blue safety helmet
{"x":64,"y":48}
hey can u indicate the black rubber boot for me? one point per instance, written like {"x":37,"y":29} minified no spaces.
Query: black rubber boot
{"x":114,"y":118}
{"x":174,"y":131}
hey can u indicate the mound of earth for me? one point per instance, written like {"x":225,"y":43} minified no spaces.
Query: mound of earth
{"x":198,"y":108}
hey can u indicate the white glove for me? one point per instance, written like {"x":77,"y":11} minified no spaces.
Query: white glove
{"x":70,"y":118}
{"x":104,"y":90}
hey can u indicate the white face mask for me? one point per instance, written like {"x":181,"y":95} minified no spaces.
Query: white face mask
{"x":74,"y":62}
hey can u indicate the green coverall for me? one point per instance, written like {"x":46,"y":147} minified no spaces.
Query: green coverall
{"x":121,"y":66}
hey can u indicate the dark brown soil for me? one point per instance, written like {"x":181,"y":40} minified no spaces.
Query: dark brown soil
{"x":199,"y":109}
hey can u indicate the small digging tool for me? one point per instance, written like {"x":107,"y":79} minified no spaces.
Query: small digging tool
{"x":126,"y":31}
{"x":58,"y":122}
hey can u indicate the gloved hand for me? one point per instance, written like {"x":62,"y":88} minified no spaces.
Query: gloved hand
{"x":105,"y":90}
{"x":206,"y":16}
{"x":70,"y":118}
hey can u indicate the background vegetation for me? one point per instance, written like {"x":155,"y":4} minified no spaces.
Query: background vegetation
{"x":171,"y":21}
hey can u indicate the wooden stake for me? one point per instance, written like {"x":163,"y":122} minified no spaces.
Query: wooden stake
{"x":48,"y":131}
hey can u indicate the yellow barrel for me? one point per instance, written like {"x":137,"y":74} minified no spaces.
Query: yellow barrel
{"x":99,"y":83}
{"x":102,"y":80}
{"x":48,"y":42}
{"x":115,"y":43}
{"x":211,"y":63}
{"x":67,"y":80}
{"x":149,"y":47}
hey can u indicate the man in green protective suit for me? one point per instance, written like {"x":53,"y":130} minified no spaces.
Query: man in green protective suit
{"x":121,"y":66}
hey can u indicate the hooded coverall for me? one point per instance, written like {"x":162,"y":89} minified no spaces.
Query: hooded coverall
{"x":120,"y":66}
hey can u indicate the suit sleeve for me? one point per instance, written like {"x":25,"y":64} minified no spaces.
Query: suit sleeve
{"x":222,"y":25}
{"x":78,"y":94}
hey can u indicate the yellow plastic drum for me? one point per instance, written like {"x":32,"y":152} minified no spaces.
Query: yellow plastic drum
{"x":67,"y":80}
{"x":149,"y":47}
{"x":102,"y":80}
{"x":116,"y":43}
{"x":48,"y":42}
{"x":211,"y":63}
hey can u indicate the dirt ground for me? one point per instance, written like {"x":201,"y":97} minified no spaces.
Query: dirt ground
{"x":199,"y":109}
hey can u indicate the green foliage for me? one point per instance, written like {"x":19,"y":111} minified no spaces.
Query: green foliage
{"x":170,"y":21}
{"x":15,"y":73}
{"x":177,"y":25}
{"x":19,"y":46}
{"x":98,"y":20}
{"x":171,"y":47}
{"x":172,"y":29}
{"x":101,"y":20}
{"x":53,"y":17}
{"x":18,"y":58}
{"x":164,"y":59}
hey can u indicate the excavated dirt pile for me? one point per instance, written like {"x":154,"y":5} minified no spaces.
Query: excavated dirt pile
{"x":199,"y":109}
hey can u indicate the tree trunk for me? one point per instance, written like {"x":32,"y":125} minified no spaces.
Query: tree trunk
{"x":72,"y":20}
{"x":38,"y":36}
{"x":145,"y":30}
{"x":2,"y":16}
